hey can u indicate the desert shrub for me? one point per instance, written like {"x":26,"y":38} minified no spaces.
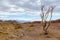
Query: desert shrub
{"x":3,"y":35}
{"x":18,"y":26}
{"x":31,"y":25}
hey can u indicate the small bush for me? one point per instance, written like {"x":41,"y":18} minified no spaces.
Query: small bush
{"x":18,"y":26}
{"x":31,"y":25}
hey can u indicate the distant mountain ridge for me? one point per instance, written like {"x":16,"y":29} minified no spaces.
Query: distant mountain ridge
{"x":53,"y":21}
{"x":14,"y":21}
{"x":24,"y":21}
{"x":58,"y":20}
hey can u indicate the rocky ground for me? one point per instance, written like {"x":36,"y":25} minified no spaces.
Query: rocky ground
{"x":28,"y":31}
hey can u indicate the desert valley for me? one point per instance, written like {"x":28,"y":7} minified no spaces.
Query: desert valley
{"x":12,"y":30}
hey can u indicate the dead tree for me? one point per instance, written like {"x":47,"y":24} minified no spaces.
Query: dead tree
{"x":44,"y":16}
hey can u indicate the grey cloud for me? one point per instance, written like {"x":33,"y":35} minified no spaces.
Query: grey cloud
{"x":57,"y":9}
{"x":50,"y":2}
{"x":26,"y":4}
{"x":4,"y":8}
{"x":31,"y":7}
{"x":33,"y":0}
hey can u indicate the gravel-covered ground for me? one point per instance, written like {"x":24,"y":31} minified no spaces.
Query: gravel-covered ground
{"x":18,"y":31}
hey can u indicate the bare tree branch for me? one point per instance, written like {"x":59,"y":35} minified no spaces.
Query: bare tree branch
{"x":44,"y":17}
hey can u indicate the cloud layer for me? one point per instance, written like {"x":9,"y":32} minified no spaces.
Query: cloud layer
{"x":25,"y":9}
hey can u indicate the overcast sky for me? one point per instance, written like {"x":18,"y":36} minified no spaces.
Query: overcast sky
{"x":28,"y":10}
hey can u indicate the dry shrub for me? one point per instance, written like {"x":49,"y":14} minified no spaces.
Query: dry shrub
{"x":18,"y":26}
{"x":31,"y":25}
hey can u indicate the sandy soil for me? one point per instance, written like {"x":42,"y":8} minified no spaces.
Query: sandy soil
{"x":18,"y":31}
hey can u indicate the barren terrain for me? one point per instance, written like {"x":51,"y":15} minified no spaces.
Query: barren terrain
{"x":28,"y":31}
